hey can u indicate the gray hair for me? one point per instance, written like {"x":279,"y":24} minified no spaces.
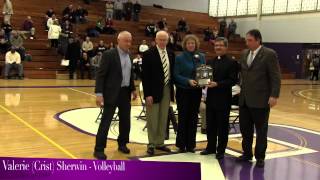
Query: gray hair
{"x":225,"y":40}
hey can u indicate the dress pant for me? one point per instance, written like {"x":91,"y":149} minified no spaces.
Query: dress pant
{"x":188,"y":102}
{"x":217,"y":126}
{"x":124,"y":108}
{"x":157,"y":118}
{"x":249,"y":119}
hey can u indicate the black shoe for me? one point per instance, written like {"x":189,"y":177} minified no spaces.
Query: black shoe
{"x":99,"y":155}
{"x":163,"y":148}
{"x":260,"y":163}
{"x":150,"y":151}
{"x":219,"y":156}
{"x":6,"y":77}
{"x":20,"y":77}
{"x":244,"y":158}
{"x":203,"y":131}
{"x":124,"y":149}
{"x":206,"y":152}
{"x":182,"y":150}
{"x":191,"y":150}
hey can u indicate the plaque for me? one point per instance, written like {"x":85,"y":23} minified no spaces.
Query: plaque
{"x":204,"y":74}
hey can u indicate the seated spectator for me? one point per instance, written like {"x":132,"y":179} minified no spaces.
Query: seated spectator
{"x":67,"y":28}
{"x":153,"y":44}
{"x":118,"y":8}
{"x":111,"y":46}
{"x":54,"y":33}
{"x":17,"y":42}
{"x":223,"y":25}
{"x":136,"y":11}
{"x":100,"y":25}
{"x":175,"y":41}
{"x":87,"y":47}
{"x":101,"y":47}
{"x":215,"y":32}
{"x":182,"y":25}
{"x":128,"y":8}
{"x":13,"y":60}
{"x":208,"y":34}
{"x":49,"y":13}
{"x":69,"y":14}
{"x":7,"y":28}
{"x":51,"y":20}
{"x":109,"y":29}
{"x":162,"y":24}
{"x":81,"y":15}
{"x":109,"y":9}
{"x":151,"y":29}
{"x":143,"y":47}
{"x":29,"y":27}
{"x":232,"y":28}
{"x":4,"y":44}
{"x":95,"y":63}
{"x":85,"y":65}
{"x":137,"y":62}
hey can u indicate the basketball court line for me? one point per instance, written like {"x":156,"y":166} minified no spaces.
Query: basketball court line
{"x":38,"y":132}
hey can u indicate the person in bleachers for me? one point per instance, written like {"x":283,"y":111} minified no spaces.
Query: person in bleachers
{"x":49,"y":13}
{"x":109,"y":9}
{"x":101,"y":47}
{"x":51,"y":20}
{"x":111,"y":46}
{"x":29,"y":27}
{"x":188,"y":93}
{"x":7,"y":28}
{"x":175,"y":41}
{"x":87,"y":46}
{"x":162,"y":24}
{"x":128,"y":9}
{"x":69,"y":14}
{"x":17,"y":42}
{"x":232,"y":28}
{"x":73,"y":55}
{"x":143,"y":47}
{"x":85,"y":65}
{"x":222,"y":25}
{"x":208,"y":34}
{"x":81,"y":15}
{"x":151,"y":29}
{"x":136,"y":11}
{"x":54,"y":33}
{"x":315,"y":67}
{"x":13,"y":60}
{"x":67,"y":28}
{"x":108,"y":28}
{"x":7,"y":11}
{"x":4,"y":44}
{"x":182,"y":25}
{"x":95,"y":64}
{"x":118,"y":9}
{"x":137,"y":62}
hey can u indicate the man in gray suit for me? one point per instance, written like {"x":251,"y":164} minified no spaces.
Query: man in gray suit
{"x":114,"y":86}
{"x":260,"y":89}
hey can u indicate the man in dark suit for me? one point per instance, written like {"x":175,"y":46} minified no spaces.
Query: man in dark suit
{"x":114,"y":86}
{"x":260,"y":89}
{"x":157,"y":81}
{"x":219,"y":97}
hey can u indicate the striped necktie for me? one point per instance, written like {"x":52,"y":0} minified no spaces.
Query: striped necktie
{"x":165,"y":65}
{"x":249,"y":62}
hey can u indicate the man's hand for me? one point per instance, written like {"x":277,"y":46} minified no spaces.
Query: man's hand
{"x":134,"y":95}
{"x":212,"y":84}
{"x":149,"y":101}
{"x":272,"y":102}
{"x":99,"y":101}
{"x":193,"y":83}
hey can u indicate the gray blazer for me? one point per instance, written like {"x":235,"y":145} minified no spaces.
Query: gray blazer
{"x":109,"y":77}
{"x":261,"y":80}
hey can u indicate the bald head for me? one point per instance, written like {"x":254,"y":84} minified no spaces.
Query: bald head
{"x":124,"y":40}
{"x":162,"y":38}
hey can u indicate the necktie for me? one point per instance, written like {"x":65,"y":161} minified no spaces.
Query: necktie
{"x":249,"y":62}
{"x":165,"y":65}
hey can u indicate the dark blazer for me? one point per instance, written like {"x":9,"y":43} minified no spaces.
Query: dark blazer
{"x":153,"y":75}
{"x":109,"y":76}
{"x":225,"y":73}
{"x":261,"y":80}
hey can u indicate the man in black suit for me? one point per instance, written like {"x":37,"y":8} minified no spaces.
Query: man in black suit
{"x":260,"y":89}
{"x":114,"y":86}
{"x":157,"y":81}
{"x":219,"y":97}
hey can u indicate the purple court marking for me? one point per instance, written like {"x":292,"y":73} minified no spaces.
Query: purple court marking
{"x":40,"y":87}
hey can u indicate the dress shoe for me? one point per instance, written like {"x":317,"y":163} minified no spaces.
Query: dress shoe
{"x":260,"y":163}
{"x":219,"y":156}
{"x":206,"y":152}
{"x":244,"y":158}
{"x":150,"y":151}
{"x":191,"y":151}
{"x":182,"y":150}
{"x":99,"y":155}
{"x":163,"y":148}
{"x":124,"y":149}
{"x":203,"y":131}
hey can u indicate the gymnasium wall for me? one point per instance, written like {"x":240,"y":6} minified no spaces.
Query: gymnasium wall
{"x":188,"y":5}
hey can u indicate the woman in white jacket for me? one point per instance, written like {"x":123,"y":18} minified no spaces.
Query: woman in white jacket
{"x":54,"y":33}
{"x":7,"y":11}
